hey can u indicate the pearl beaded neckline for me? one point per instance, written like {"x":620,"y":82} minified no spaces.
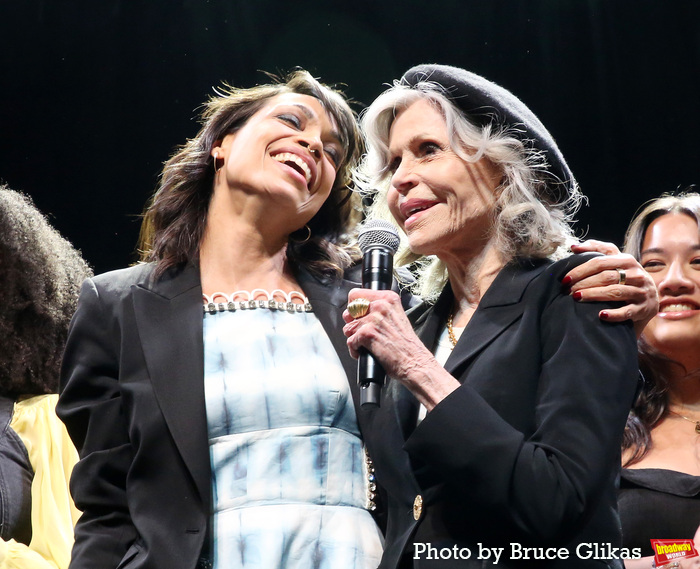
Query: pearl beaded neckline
{"x":278,"y":300}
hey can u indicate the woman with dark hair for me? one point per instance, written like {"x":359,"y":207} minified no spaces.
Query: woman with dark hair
{"x":660,"y":486}
{"x":206,"y":389}
{"x":501,"y":425}
{"x":40,"y":274}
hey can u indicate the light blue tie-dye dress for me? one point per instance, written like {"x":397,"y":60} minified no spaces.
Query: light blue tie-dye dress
{"x":289,"y":474}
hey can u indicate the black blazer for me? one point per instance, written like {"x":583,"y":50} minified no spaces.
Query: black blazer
{"x":528,"y":448}
{"x":133,"y":401}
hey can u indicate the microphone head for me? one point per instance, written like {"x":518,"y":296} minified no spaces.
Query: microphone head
{"x":378,"y":233}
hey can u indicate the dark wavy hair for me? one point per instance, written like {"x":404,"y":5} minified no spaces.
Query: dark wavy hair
{"x":174,"y":221}
{"x":651,"y":406}
{"x":40,"y":276}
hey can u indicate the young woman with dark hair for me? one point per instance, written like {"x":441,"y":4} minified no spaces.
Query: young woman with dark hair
{"x":660,"y":486}
{"x":207,"y":388}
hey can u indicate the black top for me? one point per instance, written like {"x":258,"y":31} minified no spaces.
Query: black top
{"x":657,"y":504}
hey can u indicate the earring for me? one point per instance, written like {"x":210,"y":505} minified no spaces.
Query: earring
{"x":300,"y":241}
{"x":217,"y":166}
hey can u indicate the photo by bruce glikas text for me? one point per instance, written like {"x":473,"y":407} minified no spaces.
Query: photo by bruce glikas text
{"x":517,"y":552}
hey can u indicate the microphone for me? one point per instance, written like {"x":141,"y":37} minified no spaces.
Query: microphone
{"x":378,"y":242}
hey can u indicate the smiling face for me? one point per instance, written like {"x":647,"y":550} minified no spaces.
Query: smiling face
{"x":671,"y":255}
{"x":443,"y":203}
{"x":285,"y":157}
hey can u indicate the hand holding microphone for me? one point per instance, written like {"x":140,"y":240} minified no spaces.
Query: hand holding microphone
{"x":378,"y":242}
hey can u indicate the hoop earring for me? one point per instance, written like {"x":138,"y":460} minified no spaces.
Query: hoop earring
{"x":216,"y":160}
{"x":300,"y":241}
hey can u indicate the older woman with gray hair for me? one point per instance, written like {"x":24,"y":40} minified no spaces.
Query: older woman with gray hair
{"x":497,"y":438}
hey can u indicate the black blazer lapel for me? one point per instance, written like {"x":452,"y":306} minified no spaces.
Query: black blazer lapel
{"x":169,"y":319}
{"x":498,"y":309}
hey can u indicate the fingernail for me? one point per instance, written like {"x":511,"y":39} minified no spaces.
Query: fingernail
{"x":578,"y":295}
{"x":604,"y":314}
{"x":566,"y":280}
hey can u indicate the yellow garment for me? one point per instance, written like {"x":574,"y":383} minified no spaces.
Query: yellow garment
{"x":52,"y":456}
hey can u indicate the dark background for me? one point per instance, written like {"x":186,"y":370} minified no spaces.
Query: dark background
{"x":96,"y":95}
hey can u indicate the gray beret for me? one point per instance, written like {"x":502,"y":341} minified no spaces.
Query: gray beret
{"x":483,"y":102}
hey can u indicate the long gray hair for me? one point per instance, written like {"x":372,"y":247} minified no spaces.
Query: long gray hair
{"x":527,"y":222}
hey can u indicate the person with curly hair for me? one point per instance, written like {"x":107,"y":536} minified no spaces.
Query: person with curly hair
{"x":40,"y":275}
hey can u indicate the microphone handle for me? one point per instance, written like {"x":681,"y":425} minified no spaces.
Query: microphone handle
{"x":377,"y":266}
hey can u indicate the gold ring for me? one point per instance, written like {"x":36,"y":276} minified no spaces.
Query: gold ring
{"x":358,"y":307}
{"x":623,"y":276}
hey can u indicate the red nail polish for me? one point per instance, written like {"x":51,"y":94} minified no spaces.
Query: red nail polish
{"x":566,"y":280}
{"x":604,"y":314}
{"x":578,"y":295}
